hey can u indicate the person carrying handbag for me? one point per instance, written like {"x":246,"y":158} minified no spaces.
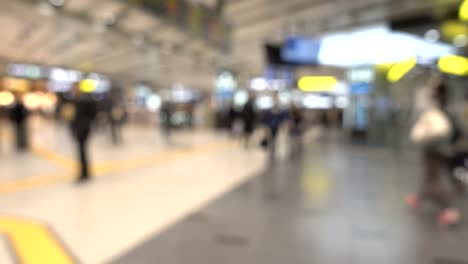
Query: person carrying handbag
{"x":434,"y":131}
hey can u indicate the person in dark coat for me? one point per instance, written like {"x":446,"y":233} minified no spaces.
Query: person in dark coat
{"x":166,"y":112}
{"x":18,"y":116}
{"x":248,"y":118}
{"x":85,"y":111}
{"x":296,"y":119}
{"x":116,"y":115}
{"x":231,"y":119}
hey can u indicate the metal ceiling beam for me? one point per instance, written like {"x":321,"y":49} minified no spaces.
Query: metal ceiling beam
{"x":265,"y":7}
{"x":238,"y":6}
{"x":83,"y":49}
{"x":90,"y":4}
{"x":290,"y":11}
{"x":133,"y":62}
{"x":137,"y":68}
{"x":85,"y":19}
{"x":117,"y":61}
{"x":105,"y":60}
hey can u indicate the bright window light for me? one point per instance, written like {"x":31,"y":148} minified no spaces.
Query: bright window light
{"x":241,"y":98}
{"x":264,"y":102}
{"x":259,"y":84}
{"x":342,"y":102}
{"x":312,"y":101}
{"x":284,"y":99}
{"x":153,"y":103}
{"x":33,"y":101}
{"x":6,"y":98}
{"x":376,"y":45}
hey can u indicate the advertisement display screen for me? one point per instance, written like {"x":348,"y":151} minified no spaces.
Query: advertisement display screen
{"x":302,"y":51}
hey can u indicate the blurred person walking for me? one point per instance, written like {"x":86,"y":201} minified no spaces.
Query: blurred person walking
{"x":248,"y":117}
{"x":272,"y":119}
{"x":116,"y":115}
{"x":436,"y":132}
{"x":166,"y":112}
{"x":296,"y":129}
{"x":18,"y":116}
{"x":85,"y":111}
{"x":231,"y":119}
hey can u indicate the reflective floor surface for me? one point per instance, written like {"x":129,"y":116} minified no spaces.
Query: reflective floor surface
{"x":205,"y":199}
{"x":334,"y":204}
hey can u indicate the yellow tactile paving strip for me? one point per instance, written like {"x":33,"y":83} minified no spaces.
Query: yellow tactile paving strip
{"x":100,"y":169}
{"x":33,"y":242}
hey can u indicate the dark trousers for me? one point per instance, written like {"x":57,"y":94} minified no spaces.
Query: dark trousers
{"x":435,"y":165}
{"x":272,"y":146}
{"x":21,"y":136}
{"x":116,"y":133}
{"x":82,"y":141}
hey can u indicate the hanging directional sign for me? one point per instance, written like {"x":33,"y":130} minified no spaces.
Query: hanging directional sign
{"x":33,"y":242}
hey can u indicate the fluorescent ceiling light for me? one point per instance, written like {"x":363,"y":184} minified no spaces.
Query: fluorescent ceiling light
{"x":376,"y":45}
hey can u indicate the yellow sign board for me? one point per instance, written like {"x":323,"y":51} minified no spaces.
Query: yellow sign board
{"x":317,"y":84}
{"x":88,"y":86}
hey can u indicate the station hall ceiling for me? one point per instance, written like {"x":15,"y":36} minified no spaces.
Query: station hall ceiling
{"x":143,"y":46}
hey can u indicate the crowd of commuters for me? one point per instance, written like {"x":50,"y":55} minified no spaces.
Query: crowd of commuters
{"x":269,"y":122}
{"x":80,"y":111}
{"x":438,"y":131}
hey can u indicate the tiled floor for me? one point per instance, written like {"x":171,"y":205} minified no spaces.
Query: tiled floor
{"x":155,"y":187}
{"x":206,"y":200}
{"x":335,"y":204}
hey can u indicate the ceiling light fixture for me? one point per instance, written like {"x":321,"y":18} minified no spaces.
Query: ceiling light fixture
{"x":399,"y":70}
{"x":57,"y":3}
